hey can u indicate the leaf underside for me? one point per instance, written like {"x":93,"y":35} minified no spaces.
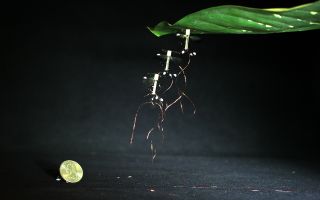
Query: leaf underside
{"x":231,"y":19}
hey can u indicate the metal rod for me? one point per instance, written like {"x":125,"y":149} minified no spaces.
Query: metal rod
{"x":168,"y":60}
{"x":186,"y":44}
{"x":155,"y":83}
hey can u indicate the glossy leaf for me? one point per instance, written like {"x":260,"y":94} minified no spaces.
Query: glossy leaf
{"x":231,"y":19}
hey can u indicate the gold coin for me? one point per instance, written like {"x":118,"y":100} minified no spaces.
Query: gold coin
{"x":71,"y":171}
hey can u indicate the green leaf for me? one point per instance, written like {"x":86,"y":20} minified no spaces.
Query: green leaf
{"x":233,"y":19}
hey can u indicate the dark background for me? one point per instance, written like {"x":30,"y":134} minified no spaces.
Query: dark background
{"x":72,"y":83}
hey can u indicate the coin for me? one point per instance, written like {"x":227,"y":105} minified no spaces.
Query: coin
{"x":71,"y":171}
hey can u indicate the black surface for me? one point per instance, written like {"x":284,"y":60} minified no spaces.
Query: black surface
{"x":118,"y":176}
{"x":72,"y":83}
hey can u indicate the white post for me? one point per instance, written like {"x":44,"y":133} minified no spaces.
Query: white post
{"x":186,"y":44}
{"x":155,"y":82}
{"x":168,"y":60}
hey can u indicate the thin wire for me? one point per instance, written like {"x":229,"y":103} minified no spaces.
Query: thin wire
{"x":194,"y":107}
{"x":181,"y":106}
{"x":169,"y":86}
{"x":135,"y":119}
{"x":174,"y":102}
{"x":150,"y":131}
{"x":137,"y":113}
{"x":187,"y":65}
{"x":184,"y":76}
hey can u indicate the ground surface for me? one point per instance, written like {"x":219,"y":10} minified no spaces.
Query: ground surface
{"x":112,"y":176}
